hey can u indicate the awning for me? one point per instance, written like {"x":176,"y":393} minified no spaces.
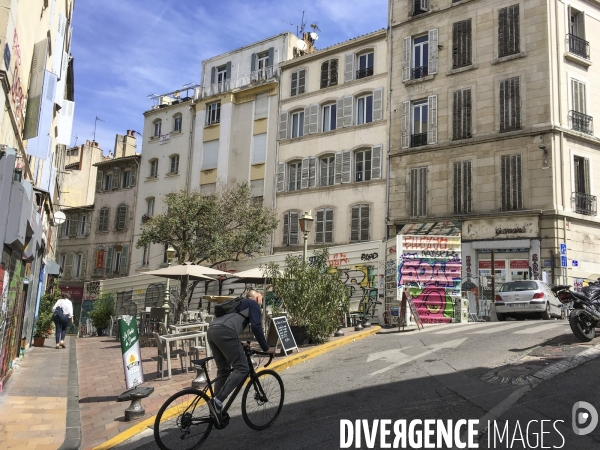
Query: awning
{"x":52,"y":268}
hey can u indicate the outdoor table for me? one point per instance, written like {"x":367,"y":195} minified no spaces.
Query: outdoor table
{"x":176,"y":337}
{"x":190,"y":326}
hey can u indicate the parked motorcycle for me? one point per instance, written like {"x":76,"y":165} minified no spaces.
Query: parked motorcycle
{"x":585,"y":314}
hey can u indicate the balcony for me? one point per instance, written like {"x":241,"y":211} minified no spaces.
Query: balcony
{"x":362,"y":73}
{"x":418,"y":140}
{"x":419,"y":72}
{"x":581,"y":122}
{"x":578,"y":46}
{"x":584,"y":203}
{"x":258,"y":76}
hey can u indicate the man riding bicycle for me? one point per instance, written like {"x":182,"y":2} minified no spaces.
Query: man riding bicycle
{"x":223,"y":339}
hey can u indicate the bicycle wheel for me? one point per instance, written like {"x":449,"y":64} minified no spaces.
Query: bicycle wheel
{"x":183,"y":421}
{"x":262,"y":400}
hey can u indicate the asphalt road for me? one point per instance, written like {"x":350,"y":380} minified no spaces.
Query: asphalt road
{"x":470,"y":371}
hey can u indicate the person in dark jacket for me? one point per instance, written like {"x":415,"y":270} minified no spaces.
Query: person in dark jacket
{"x":227,"y":350}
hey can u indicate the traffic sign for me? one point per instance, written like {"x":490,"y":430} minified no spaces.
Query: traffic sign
{"x":575,"y":263}
{"x":563,"y":249}
{"x":563,"y":261}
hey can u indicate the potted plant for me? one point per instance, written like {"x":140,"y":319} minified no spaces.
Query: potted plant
{"x":43,"y":324}
{"x":103,"y":309}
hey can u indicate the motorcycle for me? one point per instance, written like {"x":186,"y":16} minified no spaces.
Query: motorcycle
{"x":585,"y":309}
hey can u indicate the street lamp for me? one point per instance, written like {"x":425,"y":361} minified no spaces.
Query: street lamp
{"x":306,"y":225}
{"x":170,"y":254}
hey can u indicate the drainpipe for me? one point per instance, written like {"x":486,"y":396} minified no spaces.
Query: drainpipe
{"x":389,"y":124}
{"x":190,"y":146}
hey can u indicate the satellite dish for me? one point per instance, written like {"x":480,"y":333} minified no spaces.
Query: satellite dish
{"x":314,"y":36}
{"x":59,"y":217}
{"x":301,"y":45}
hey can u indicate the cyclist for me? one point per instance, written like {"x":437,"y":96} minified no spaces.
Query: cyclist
{"x":223,"y":339}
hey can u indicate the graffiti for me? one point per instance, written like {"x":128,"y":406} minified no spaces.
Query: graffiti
{"x":433,"y":304}
{"x":448,"y":254}
{"x":578,"y":284}
{"x":369,"y":256}
{"x":337,"y":259}
{"x":468,"y":267}
{"x":92,"y":288}
{"x":517,"y":230}
{"x":16,"y":92}
{"x":429,"y":272}
{"x":426,"y":242}
{"x":392,"y":250}
{"x":535,"y":267}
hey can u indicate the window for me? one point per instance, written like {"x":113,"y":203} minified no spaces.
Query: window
{"x":578,"y":117}
{"x":577,"y":43}
{"x":177,"y":121}
{"x":259,"y":148}
{"x":420,"y":119}
{"x":324,"y":226}
{"x":150,"y":207}
{"x":365,"y":65}
{"x":420,"y":57}
{"x":294,"y":175}
{"x":221,"y":75}
{"x":508,"y":31}
{"x":462,"y":187}
{"x":578,"y":96}
{"x":583,"y":201}
{"x":329,"y":73}
{"x":261,"y":105}
{"x":213,"y":113}
{"x":146,"y":256}
{"x":154,"y":168}
{"x":210,"y":155}
{"x":461,"y":44}
{"x":263,"y":63}
{"x":291,"y":228}
{"x":77,"y":260}
{"x":157,"y":127}
{"x":359,"y":223}
{"x":127,"y":180}
{"x":420,"y":6}
{"x":326,"y":165}
{"x":61,"y":262}
{"x":297,"y":124}
{"x":81,"y":225}
{"x":298,"y":82}
{"x":362,"y":165}
{"x":103,"y":219}
{"x":364,"y":109}
{"x":418,"y":192}
{"x":511,"y":183}
{"x":121,"y":219}
{"x":108,"y":182}
{"x":174,"y":164}
{"x":510,"y":104}
{"x":329,"y":117}
{"x":461,"y":114}
{"x":64,"y":228}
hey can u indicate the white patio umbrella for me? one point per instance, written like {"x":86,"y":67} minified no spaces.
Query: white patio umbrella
{"x":187,"y":269}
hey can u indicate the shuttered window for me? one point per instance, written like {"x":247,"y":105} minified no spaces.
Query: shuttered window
{"x":121,"y":219}
{"x":103,"y":219}
{"x":508,"y":31}
{"x":324,"y":226}
{"x":298,"y":82}
{"x":362,"y":165}
{"x":326,"y":166}
{"x":359,"y":223}
{"x":461,"y":114}
{"x":294,"y":175}
{"x":511,"y":185}
{"x":297,"y":123}
{"x":461,"y":44}
{"x":462,"y":184}
{"x":582,"y":175}
{"x":510,"y":104}
{"x":578,"y":96}
{"x":418,"y":192}
{"x":291,"y":228}
{"x":174,"y":164}
{"x":329,"y":73}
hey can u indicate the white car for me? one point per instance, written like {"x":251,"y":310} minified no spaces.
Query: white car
{"x":519,"y":299}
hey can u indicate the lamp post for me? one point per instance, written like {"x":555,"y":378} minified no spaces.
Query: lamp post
{"x":306,"y":225}
{"x":170,"y":254}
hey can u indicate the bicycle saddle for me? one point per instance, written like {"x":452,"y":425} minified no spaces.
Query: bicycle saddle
{"x":201,"y":362}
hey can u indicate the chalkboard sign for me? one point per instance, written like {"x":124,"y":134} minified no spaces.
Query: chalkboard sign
{"x":280,"y":328}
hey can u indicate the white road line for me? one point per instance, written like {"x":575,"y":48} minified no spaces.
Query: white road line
{"x":538,"y":329}
{"x":478,"y":325}
{"x":506,"y":326}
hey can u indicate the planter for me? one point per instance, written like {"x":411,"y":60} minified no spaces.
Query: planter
{"x":38,"y":341}
{"x":300,"y":335}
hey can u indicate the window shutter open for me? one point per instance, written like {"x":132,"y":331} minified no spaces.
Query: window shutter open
{"x":339,"y":120}
{"x":283,"y":125}
{"x":133,"y":175}
{"x":213,"y":75}
{"x":88,"y":225}
{"x":306,"y":120}
{"x":355,"y":224}
{"x":271,"y":57}
{"x":348,"y":67}
{"x":324,"y":74}
{"x":99,"y":179}
{"x":68,"y":266}
{"x":304,"y":176}
{"x":378,"y":104}
{"x":312,"y":171}
{"x":346,"y":166}
{"x":281,"y":177}
{"x":329,"y":226}
{"x":228,"y":71}
{"x":294,"y":89}
{"x":74,"y":225}
{"x":376,"y":162}
{"x":405,"y":125}
{"x":313,"y":121}
{"x":424,"y":5}
{"x":294,"y":228}
{"x":333,"y":72}
{"x":253,"y":62}
{"x":320,"y":226}
{"x":406,"y":56}
{"x":83,"y":267}
{"x":301,"y":81}
{"x":433,"y":51}
{"x":432,"y":123}
{"x":124,"y":254}
{"x":109,"y":258}
{"x":286,"y":229}
{"x":348,"y":110}
{"x":365,"y":218}
{"x":586,"y":175}
{"x":337,"y":168}
{"x":116,"y":178}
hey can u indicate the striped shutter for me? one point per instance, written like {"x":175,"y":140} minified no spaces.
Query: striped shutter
{"x":320,"y":227}
{"x":34,"y":94}
{"x":99,"y":178}
{"x":467,"y":123}
{"x":329,"y":226}
{"x":306,"y":121}
{"x":121,"y":221}
{"x":348,"y":67}
{"x":510,"y":104}
{"x":418,"y":191}
{"x":281,"y":177}
{"x":286,"y":229}
{"x":74,"y":225}
{"x":253,"y":63}
{"x":333,"y":72}
{"x":304,"y":174}
{"x":346,"y":166}
{"x":271,"y":57}
{"x":301,"y":81}
{"x":124,"y":255}
{"x":88,"y":224}
{"x":294,"y":227}
{"x":134,"y":173}
{"x":511,"y":189}
{"x":59,"y":42}
{"x":324,"y":74}
{"x":376,"y":162}
{"x":378,"y":104}
{"x":283,"y":125}
{"x":508,"y":31}
{"x":433,"y":51}
{"x":355,"y":224}
{"x":348,"y":110}
{"x":461,"y":44}
{"x":337,"y":179}
{"x":109,"y":259}
{"x":312,"y":118}
{"x":68,"y":266}
{"x":83,"y":267}
{"x":578,"y":93}
{"x":405,"y":138}
{"x":116,"y":178}
{"x":339,"y":120}
{"x":424,"y":5}
{"x":462,"y":187}
{"x":365,"y":221}
{"x":312,"y":171}
{"x":294,"y":89}
{"x":432,"y":122}
{"x":586,"y":176}
{"x":406,"y":56}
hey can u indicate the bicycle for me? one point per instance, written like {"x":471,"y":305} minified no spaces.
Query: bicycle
{"x":185,"y":416}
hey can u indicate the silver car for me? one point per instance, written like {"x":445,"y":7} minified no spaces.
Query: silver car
{"x":527,"y":298}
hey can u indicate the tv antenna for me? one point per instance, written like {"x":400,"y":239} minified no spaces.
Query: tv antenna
{"x":299,"y":28}
{"x":95,"y":122}
{"x":75,"y":144}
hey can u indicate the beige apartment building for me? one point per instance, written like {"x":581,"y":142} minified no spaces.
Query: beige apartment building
{"x":492,"y":133}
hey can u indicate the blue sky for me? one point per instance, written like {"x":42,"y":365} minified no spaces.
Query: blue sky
{"x":125,"y":50}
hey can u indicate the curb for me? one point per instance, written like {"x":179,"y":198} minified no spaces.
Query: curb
{"x":73,"y":434}
{"x":277,"y":367}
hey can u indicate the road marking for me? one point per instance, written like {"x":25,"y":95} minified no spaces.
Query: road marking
{"x":538,"y":328}
{"x":478,"y":325}
{"x":506,"y":326}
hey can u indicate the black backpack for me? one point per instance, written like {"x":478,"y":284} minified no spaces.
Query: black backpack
{"x":58,"y":315}
{"x":228,"y":307}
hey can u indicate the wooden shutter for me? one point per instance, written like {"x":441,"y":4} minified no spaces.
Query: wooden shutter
{"x":281,"y":177}
{"x":121,"y":217}
{"x":516,"y":101}
{"x":333,"y":72}
{"x":457,"y":115}
{"x":99,"y":179}
{"x":116,"y":178}
{"x":504,"y":181}
{"x":312,"y":171}
{"x":586,"y":176}
{"x":133,"y":173}
{"x":109,"y":258}
{"x":461,"y":44}
{"x":213,"y":75}
{"x":88,"y":224}
{"x":348,"y":67}
{"x":578,"y":93}
{"x":405,"y":138}
{"x":294,"y":228}
{"x":511,"y":182}
{"x":304,"y":174}
{"x":432,"y":122}
{"x":329,"y":226}
{"x":433,"y":51}
{"x":424,"y":5}
{"x":324,"y":74}
{"x":365,"y":222}
{"x":253,"y":62}
{"x":418,"y":191}
{"x":423,"y":191}
{"x":306,"y":121}
{"x":346,"y":166}
{"x":462,"y":187}
{"x":34,"y":93}
{"x":503,"y":102}
{"x":376,"y":162}
{"x":83,"y":267}
{"x":348,"y":110}
{"x":68,"y":266}
{"x":377,"y":104}
{"x":510,"y":104}
{"x":124,"y":255}
{"x":457,"y":188}
{"x":508,"y":31}
{"x":271,"y":57}
{"x":467,"y":125}
{"x":337,"y":178}
{"x":406,"y":57}
{"x":73,"y":225}
{"x":339,"y":119}
{"x":283,"y":125}
{"x":502,"y":25}
{"x":312,"y":118}
{"x":355,"y":224}
{"x":286,"y":229}
{"x":467,"y":186}
{"x":301,"y":81}
{"x":320,"y":227}
{"x":294,"y":89}
{"x":228,"y":72}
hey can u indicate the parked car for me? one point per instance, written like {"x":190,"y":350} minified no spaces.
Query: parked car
{"x":520,"y":299}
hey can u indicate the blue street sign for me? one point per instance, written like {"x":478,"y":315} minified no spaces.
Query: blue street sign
{"x":575,"y":263}
{"x":563,"y":249}
{"x":563,"y":261}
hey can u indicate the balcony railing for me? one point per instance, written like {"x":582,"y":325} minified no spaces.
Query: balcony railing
{"x":257,"y":76}
{"x":417,"y":140}
{"x":420,"y":72}
{"x":584,"y":203}
{"x":581,"y":122}
{"x":362,"y":73}
{"x":578,"y":46}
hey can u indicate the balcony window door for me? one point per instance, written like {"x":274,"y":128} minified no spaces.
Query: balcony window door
{"x":329,"y":117}
{"x":298,"y":124}
{"x":263,"y":63}
{"x":420,"y":117}
{"x":365,"y":65}
{"x":420,"y":57}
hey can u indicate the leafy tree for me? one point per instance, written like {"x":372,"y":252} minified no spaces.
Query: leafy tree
{"x":103,"y":309}
{"x":226,"y":226}
{"x":44,"y":318}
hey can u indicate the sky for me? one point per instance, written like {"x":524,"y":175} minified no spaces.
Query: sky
{"x":125,"y":50}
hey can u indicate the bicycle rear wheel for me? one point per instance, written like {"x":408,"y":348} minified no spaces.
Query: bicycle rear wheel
{"x":262,"y":400}
{"x":183,"y":421}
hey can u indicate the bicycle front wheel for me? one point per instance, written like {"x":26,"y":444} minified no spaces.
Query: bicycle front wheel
{"x":183,"y":421}
{"x":262,"y":400}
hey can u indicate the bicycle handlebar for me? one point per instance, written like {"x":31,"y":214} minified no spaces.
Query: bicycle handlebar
{"x":251,"y":351}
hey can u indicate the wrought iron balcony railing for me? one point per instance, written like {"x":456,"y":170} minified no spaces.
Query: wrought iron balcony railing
{"x":578,"y":46}
{"x":362,"y":73}
{"x":581,"y":122}
{"x":417,"y":140}
{"x":259,"y":75}
{"x":584,"y":203}
{"x":420,"y":72}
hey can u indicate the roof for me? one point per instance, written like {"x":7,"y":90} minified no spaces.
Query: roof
{"x":253,"y":44}
{"x":74,"y":208}
{"x":106,"y":161}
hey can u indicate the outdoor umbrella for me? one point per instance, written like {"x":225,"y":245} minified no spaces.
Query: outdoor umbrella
{"x":187,"y":269}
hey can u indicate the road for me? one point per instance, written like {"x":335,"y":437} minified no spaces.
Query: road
{"x":518,"y":373}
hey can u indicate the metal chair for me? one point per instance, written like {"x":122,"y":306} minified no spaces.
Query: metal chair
{"x":157,"y":316}
{"x":353,"y":312}
{"x":162,"y":356}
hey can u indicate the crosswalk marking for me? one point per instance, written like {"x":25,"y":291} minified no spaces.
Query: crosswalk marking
{"x":504,"y":326}
{"x":469,"y":329}
{"x":538,"y":328}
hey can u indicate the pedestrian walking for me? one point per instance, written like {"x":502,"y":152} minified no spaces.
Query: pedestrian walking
{"x":62,"y":313}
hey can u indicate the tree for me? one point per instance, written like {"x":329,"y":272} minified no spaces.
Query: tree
{"x":226,"y":226}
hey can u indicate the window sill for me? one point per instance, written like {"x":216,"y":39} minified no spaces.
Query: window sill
{"x":513,"y":131}
{"x":151,"y":179}
{"x":351,"y":185}
{"x":155,"y":138}
{"x":509,"y":58}
{"x":213,"y":124}
{"x":81,"y":237}
{"x":171,"y":174}
{"x":462,"y":69}
{"x":333,"y":132}
{"x":420,"y":80}
{"x":578,"y":59}
{"x":176,"y":132}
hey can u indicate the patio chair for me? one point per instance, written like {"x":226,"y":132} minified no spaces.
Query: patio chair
{"x":157,"y":316}
{"x":162,"y":356}
{"x":353,"y":312}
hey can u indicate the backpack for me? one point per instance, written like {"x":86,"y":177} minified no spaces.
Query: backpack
{"x":228,"y":307}
{"x":58,"y":315}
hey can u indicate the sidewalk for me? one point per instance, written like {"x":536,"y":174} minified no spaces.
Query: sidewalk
{"x":33,"y":405}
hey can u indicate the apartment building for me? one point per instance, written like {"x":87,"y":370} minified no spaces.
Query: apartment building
{"x":491,"y":133}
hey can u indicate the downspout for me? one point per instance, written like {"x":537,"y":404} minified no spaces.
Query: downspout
{"x":561,"y":146}
{"x":190,"y":145}
{"x":135,"y":196}
{"x":389,"y":124}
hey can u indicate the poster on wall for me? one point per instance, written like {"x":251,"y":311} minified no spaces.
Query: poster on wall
{"x":130,"y":349}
